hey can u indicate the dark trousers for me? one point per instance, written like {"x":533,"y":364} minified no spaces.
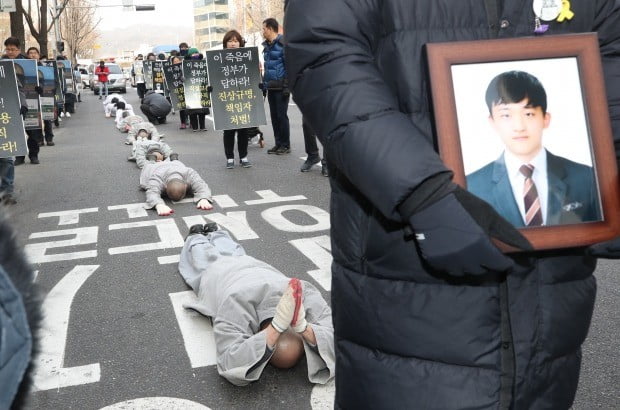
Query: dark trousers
{"x":34,"y":136}
{"x":278,"y":107}
{"x":47,"y":128}
{"x":141,"y":88}
{"x":7,"y":176}
{"x":183,"y":116}
{"x":153,"y":119}
{"x":196,"y":119}
{"x":242,"y":143}
{"x":312,"y":149}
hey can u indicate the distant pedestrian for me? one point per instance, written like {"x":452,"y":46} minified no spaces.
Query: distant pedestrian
{"x":102,"y":73}
{"x":275,"y":85}
{"x":137,"y":72}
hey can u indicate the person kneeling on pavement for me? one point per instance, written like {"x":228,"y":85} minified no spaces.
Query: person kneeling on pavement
{"x":148,"y":151}
{"x":143,"y":130}
{"x":127,"y":120}
{"x":156,"y":107}
{"x":259,"y":315}
{"x":175,"y":180}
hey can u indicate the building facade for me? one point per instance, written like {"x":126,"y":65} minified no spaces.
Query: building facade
{"x":211,"y":21}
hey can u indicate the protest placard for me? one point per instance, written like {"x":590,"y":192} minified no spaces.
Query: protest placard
{"x":174,"y":82}
{"x":237,"y":99}
{"x":159,"y":82}
{"x":196,"y":81}
{"x":148,"y":74}
{"x":49,"y":90}
{"x":28,"y":77}
{"x":12,"y":134}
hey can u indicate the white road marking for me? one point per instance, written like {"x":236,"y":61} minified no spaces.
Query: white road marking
{"x":224,"y":201}
{"x":318,"y":250}
{"x":133,"y":210}
{"x":270,"y":197}
{"x":166,"y":229}
{"x":48,"y":372}
{"x":168,"y":260}
{"x":196,"y":330}
{"x":83,"y":236}
{"x":276,"y":218}
{"x":68,"y":217}
{"x":150,"y":403}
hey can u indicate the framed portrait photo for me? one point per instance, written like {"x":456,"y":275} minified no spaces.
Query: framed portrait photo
{"x":523,"y":123}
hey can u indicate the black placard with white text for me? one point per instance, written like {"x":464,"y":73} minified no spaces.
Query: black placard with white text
{"x":12,"y":134}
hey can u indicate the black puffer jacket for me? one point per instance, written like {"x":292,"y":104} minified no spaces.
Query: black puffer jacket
{"x":406,"y":337}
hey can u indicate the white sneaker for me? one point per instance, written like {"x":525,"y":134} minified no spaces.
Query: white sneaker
{"x":62,"y":114}
{"x":69,"y":114}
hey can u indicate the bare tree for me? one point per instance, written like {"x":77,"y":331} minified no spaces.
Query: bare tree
{"x":248,"y":15}
{"x":37,"y":15}
{"x":17,"y":26}
{"x":77,"y":28}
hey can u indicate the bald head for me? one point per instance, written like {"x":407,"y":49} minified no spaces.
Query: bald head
{"x":288,"y":350}
{"x":176,"y":189}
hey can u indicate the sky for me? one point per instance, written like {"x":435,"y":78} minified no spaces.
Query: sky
{"x":167,"y":12}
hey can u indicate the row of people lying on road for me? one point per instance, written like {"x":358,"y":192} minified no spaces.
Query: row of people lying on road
{"x":259,"y":316}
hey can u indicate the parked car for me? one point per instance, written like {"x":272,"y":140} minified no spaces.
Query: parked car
{"x":84,"y":77}
{"x":116,"y":79}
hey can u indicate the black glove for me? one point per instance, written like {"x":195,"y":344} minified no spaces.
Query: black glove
{"x":174,"y":156}
{"x":209,"y":89}
{"x":454,"y":235}
{"x":23,"y":110}
{"x":286,"y":92}
{"x":38,"y":89}
{"x":607,"y":250}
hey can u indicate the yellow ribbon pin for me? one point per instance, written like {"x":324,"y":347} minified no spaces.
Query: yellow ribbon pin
{"x":566,"y":13}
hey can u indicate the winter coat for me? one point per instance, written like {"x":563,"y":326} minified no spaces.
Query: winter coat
{"x":406,"y":336}
{"x":273,"y":54}
{"x":155,"y":175}
{"x":158,"y":104}
{"x":102,"y":73}
{"x":19,"y":316}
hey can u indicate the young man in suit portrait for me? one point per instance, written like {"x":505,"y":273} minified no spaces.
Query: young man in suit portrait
{"x":527,"y":184}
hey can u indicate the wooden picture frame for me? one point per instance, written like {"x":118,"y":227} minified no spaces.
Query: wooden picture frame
{"x":469,"y":132}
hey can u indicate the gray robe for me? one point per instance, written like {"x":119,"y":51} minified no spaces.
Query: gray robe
{"x":239,"y":292}
{"x":155,"y":175}
{"x":142,"y":148}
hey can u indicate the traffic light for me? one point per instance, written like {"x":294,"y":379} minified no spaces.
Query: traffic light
{"x":60,"y":46}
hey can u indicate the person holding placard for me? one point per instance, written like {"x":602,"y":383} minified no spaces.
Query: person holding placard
{"x":232,"y":39}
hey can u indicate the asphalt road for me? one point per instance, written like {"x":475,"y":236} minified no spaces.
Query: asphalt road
{"x":116,"y":335}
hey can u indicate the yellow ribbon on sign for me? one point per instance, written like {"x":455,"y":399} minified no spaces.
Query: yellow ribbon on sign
{"x":566,"y":13}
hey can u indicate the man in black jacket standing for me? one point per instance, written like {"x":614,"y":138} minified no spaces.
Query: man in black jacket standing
{"x":450,"y":322}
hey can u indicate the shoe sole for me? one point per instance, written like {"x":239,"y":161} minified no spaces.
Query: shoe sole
{"x":297,"y":291}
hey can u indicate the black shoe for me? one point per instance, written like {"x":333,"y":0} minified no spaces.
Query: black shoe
{"x":34,"y":160}
{"x":195,"y":229}
{"x":41,"y":143}
{"x":283,"y":150}
{"x":324,"y":170}
{"x":307,"y":166}
{"x":19,"y":161}
{"x":273,"y":149}
{"x":8,"y":199}
{"x":210,"y":227}
{"x":50,"y":143}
